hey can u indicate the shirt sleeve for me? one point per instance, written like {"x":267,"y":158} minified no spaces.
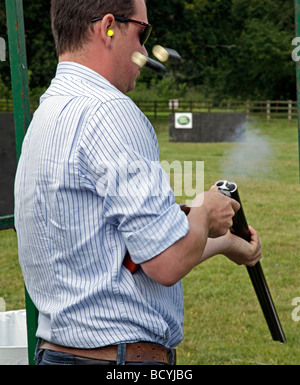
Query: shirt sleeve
{"x":119,"y":162}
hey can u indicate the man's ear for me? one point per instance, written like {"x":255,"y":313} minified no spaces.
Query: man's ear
{"x":107,"y":29}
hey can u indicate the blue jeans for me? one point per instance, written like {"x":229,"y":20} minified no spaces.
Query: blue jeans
{"x":48,"y":357}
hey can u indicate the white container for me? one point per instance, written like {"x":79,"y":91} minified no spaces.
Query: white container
{"x":13,"y":338}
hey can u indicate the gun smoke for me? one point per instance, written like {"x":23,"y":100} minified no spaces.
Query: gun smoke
{"x":251,"y":156}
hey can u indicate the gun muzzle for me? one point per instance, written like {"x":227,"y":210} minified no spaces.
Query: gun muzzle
{"x":241,"y":229}
{"x":240,"y":225}
{"x":145,"y":62}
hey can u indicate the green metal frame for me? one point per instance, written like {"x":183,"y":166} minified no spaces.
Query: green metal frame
{"x":19,"y":73}
{"x":20,"y":91}
{"x":6,"y":222}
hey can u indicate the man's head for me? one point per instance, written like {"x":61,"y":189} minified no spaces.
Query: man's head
{"x":71,"y":20}
{"x":82,"y":32}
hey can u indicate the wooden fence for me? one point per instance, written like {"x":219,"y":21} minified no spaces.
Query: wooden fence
{"x":6,"y":105}
{"x":265,"y":109}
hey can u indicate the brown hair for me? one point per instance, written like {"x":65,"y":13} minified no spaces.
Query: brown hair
{"x":71,"y":19}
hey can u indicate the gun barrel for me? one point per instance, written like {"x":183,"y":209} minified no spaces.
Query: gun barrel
{"x":241,"y":229}
{"x":264,"y":296}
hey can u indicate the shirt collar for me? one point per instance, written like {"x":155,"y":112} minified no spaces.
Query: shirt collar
{"x":86,"y":74}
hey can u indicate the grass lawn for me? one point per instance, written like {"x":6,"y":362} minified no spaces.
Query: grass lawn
{"x":223,"y":321}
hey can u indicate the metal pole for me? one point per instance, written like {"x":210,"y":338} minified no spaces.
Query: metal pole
{"x":6,"y":222}
{"x":18,"y":66}
{"x":20,"y":90}
{"x":297,"y":31}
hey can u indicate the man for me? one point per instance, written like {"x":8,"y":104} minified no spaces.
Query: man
{"x":76,"y":214}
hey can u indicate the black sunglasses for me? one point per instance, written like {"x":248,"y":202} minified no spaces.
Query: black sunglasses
{"x":144,"y":35}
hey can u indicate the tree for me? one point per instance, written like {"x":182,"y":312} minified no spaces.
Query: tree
{"x":230,"y":48}
{"x":41,"y":55}
{"x":5,"y":85}
{"x":261,"y":66}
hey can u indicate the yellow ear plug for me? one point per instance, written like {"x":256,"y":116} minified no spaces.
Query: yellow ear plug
{"x":110,"y":33}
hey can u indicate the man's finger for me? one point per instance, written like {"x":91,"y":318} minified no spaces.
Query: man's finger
{"x":235,"y":205}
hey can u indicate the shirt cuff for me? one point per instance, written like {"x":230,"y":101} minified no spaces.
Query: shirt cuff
{"x":158,"y":235}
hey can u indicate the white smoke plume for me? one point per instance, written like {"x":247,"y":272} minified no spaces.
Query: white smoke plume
{"x":250,"y":158}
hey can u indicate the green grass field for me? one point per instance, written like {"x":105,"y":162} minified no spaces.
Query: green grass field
{"x":224,"y":324}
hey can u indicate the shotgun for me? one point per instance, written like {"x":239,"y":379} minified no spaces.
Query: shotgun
{"x":241,"y":229}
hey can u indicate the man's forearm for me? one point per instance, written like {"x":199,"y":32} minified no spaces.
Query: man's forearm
{"x":215,"y":246}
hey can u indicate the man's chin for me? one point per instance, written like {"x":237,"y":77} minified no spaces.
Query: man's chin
{"x":131,"y":87}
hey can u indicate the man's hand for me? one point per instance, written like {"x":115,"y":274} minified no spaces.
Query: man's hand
{"x":241,"y":251}
{"x":219,"y":210}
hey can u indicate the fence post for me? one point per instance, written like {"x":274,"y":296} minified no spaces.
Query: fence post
{"x":2,"y":49}
{"x":290,"y":110}
{"x":247,"y":109}
{"x":268,"y":110}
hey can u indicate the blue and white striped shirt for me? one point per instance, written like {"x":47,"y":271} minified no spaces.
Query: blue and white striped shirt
{"x":89,"y":187}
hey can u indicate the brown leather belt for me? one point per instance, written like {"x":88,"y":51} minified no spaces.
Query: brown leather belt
{"x":135,"y":352}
